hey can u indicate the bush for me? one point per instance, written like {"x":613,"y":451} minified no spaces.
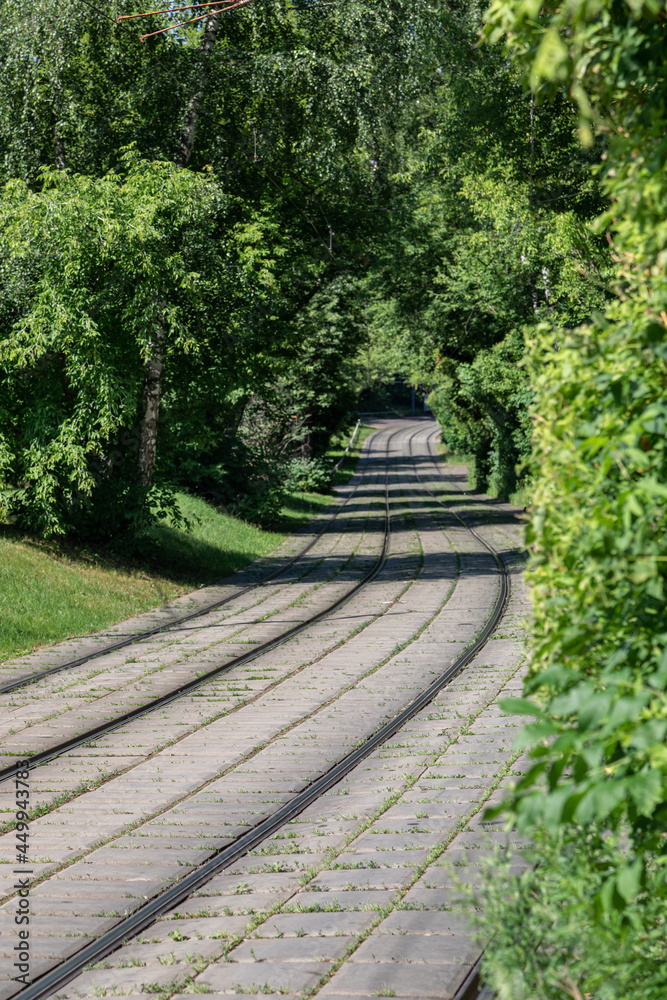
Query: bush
{"x":483,"y":410}
{"x":590,"y":920}
{"x":308,"y":475}
{"x":261,"y":507}
{"x":116,"y":510}
{"x":545,"y":937}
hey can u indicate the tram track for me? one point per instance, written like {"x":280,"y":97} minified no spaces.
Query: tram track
{"x":224,"y":858}
{"x":205,"y":677}
{"x":145,"y":672}
{"x":53,"y":752}
{"x":141,"y":636}
{"x":34,"y":760}
{"x":472,"y":987}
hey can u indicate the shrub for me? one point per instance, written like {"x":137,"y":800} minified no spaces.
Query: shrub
{"x":549,"y":940}
{"x":483,"y":410}
{"x":308,"y":475}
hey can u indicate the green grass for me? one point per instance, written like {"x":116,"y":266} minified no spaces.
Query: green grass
{"x":520,"y":498}
{"x":52,"y":590}
{"x":47,"y":594}
{"x":218,"y":543}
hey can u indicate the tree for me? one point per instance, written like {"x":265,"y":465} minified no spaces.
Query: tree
{"x":95,"y":271}
{"x":490,"y":197}
{"x":596,"y":793}
{"x":294,"y":221}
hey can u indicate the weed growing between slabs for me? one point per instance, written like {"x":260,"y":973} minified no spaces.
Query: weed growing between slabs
{"x":188,"y":982}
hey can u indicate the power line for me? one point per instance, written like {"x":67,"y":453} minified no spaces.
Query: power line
{"x":97,"y":10}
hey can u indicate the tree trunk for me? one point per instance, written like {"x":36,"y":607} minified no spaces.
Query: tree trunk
{"x":186,"y":140}
{"x":61,"y":162}
{"x":155,"y":360}
{"x":152,"y":394}
{"x":58,"y":144}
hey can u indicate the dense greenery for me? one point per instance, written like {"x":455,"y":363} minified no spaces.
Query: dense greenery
{"x":550,"y":939}
{"x":367,"y":192}
{"x":53,"y":589}
{"x":598,"y":677}
{"x":490,"y":199}
{"x":155,"y":277}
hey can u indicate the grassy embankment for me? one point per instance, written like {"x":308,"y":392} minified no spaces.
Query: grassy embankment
{"x":520,"y":498}
{"x":50,"y":591}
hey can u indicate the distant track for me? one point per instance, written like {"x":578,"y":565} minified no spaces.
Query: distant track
{"x":472,"y":987}
{"x":206,"y":609}
{"x":59,"y":749}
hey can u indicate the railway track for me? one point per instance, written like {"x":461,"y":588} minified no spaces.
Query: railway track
{"x":60,"y":705}
{"x":472,"y":988}
{"x":26,"y":678}
{"x":430,"y":600}
{"x":56,"y":749}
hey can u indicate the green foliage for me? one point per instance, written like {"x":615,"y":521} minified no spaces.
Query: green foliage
{"x":549,"y":938}
{"x":598,"y":676}
{"x":90,"y":268}
{"x":600,"y":642}
{"x":490,"y":202}
{"x":600,"y":638}
{"x":311,"y":475}
{"x":608,"y":56}
{"x":244,"y":283}
{"x":483,"y":410}
{"x":389,"y":191}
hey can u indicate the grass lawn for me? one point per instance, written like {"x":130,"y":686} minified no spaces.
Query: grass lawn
{"x":50,"y":591}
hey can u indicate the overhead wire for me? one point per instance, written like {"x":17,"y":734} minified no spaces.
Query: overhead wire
{"x":99,"y":11}
{"x":209,"y":13}
{"x":167,"y":10}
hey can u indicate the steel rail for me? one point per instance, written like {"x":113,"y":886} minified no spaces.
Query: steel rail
{"x":487,"y":545}
{"x":205,"y":610}
{"x":44,"y":756}
{"x":145,"y":915}
{"x":472,"y":987}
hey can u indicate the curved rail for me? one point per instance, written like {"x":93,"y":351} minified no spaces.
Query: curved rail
{"x":146,"y":914}
{"x":472,"y":987}
{"x":206,"y":609}
{"x":107,"y":727}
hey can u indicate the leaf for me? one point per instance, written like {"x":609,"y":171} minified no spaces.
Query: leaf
{"x":551,"y":58}
{"x":599,"y":801}
{"x":520,"y":706}
{"x":592,"y":710}
{"x":648,"y":734}
{"x":646,"y":789}
{"x":629,"y":880}
{"x":533,"y":733}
